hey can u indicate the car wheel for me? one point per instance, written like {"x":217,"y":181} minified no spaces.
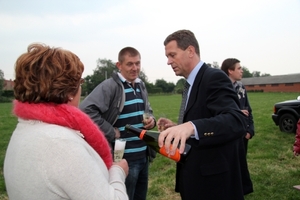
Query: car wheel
{"x":287,"y":123}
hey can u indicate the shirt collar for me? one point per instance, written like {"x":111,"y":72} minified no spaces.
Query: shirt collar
{"x":137,"y":80}
{"x":194,"y":72}
{"x":237,"y":83}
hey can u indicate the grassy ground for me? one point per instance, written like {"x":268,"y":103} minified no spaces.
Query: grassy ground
{"x":7,"y":125}
{"x":273,"y":168}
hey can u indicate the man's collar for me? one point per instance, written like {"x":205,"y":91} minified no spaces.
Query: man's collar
{"x":137,"y":80}
{"x":237,"y":83}
{"x":194,"y":72}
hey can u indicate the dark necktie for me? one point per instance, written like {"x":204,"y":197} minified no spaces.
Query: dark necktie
{"x":183,"y":102}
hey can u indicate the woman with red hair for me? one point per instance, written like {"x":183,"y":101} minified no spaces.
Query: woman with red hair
{"x":56,"y":151}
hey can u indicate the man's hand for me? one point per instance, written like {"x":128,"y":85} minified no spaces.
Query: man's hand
{"x":164,"y":123}
{"x":149,"y":123}
{"x":117,"y":132}
{"x":246,"y":112}
{"x":175,"y":135}
{"x":248,"y":136}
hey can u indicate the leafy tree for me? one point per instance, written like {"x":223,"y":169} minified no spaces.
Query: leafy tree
{"x":246,"y":72}
{"x":104,"y":70}
{"x":87,"y":86}
{"x":180,"y":85}
{"x":263,"y":75}
{"x":166,"y":87}
{"x":256,"y":74}
{"x":161,"y":83}
{"x":171,"y":87}
{"x":143,"y":76}
{"x":180,"y":82}
{"x":151,"y":88}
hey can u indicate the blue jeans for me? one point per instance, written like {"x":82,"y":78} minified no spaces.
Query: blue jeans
{"x":137,"y":179}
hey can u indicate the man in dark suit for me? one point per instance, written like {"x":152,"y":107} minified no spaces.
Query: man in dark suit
{"x":233,"y":69}
{"x":212,"y":124}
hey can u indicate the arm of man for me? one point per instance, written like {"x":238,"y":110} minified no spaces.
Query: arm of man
{"x":97,"y":104}
{"x":220,"y":119}
{"x":213,"y":109}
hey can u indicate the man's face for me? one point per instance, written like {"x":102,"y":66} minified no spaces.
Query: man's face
{"x":178,"y":59}
{"x":130,"y":67}
{"x":237,"y":73}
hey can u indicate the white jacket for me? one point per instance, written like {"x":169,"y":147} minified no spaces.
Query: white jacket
{"x":46,"y":161}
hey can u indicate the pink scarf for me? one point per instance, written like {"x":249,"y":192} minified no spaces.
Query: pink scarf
{"x":68,"y":116}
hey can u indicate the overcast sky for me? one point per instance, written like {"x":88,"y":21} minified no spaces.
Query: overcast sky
{"x":263,"y":34}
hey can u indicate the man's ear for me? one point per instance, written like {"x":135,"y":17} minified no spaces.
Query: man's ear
{"x":191,"y":51}
{"x":118,"y":64}
{"x":230,"y":71}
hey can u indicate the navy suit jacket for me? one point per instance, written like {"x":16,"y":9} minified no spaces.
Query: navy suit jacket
{"x":213,"y":169}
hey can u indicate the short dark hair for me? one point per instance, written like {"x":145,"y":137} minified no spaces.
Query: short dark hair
{"x":184,"y":39}
{"x":45,"y":74}
{"x":229,"y":64}
{"x":128,"y":50}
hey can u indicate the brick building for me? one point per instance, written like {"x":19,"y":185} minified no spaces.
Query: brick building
{"x":8,"y":85}
{"x":280,"y":83}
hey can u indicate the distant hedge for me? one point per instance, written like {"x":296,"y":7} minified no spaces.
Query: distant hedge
{"x":8,"y":93}
{"x":255,"y":91}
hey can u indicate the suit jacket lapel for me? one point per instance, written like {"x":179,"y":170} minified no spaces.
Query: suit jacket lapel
{"x":194,"y":90}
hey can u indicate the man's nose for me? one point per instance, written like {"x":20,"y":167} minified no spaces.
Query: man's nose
{"x":135,"y":66}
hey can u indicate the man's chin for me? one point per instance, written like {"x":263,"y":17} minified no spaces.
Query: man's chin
{"x":178,"y":74}
{"x":134,"y":77}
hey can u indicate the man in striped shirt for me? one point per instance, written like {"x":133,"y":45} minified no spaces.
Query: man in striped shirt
{"x":120,"y":100}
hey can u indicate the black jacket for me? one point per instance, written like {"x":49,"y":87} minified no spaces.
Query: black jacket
{"x":213,"y":168}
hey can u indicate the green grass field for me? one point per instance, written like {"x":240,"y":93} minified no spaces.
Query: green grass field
{"x":7,"y":125}
{"x":273,"y":168}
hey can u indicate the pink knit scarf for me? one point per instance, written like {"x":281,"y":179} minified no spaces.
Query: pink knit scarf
{"x":68,"y":116}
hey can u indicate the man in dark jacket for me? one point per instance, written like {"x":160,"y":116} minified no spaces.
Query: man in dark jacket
{"x":232,"y":67}
{"x":212,"y":124}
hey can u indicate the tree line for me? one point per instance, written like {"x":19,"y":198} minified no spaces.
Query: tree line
{"x":105,"y":68}
{"x":246,"y":72}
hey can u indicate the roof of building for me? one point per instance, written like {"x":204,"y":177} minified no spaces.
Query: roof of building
{"x":289,"y":78}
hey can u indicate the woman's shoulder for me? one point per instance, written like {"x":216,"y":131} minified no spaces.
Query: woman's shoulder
{"x":40,"y":129}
